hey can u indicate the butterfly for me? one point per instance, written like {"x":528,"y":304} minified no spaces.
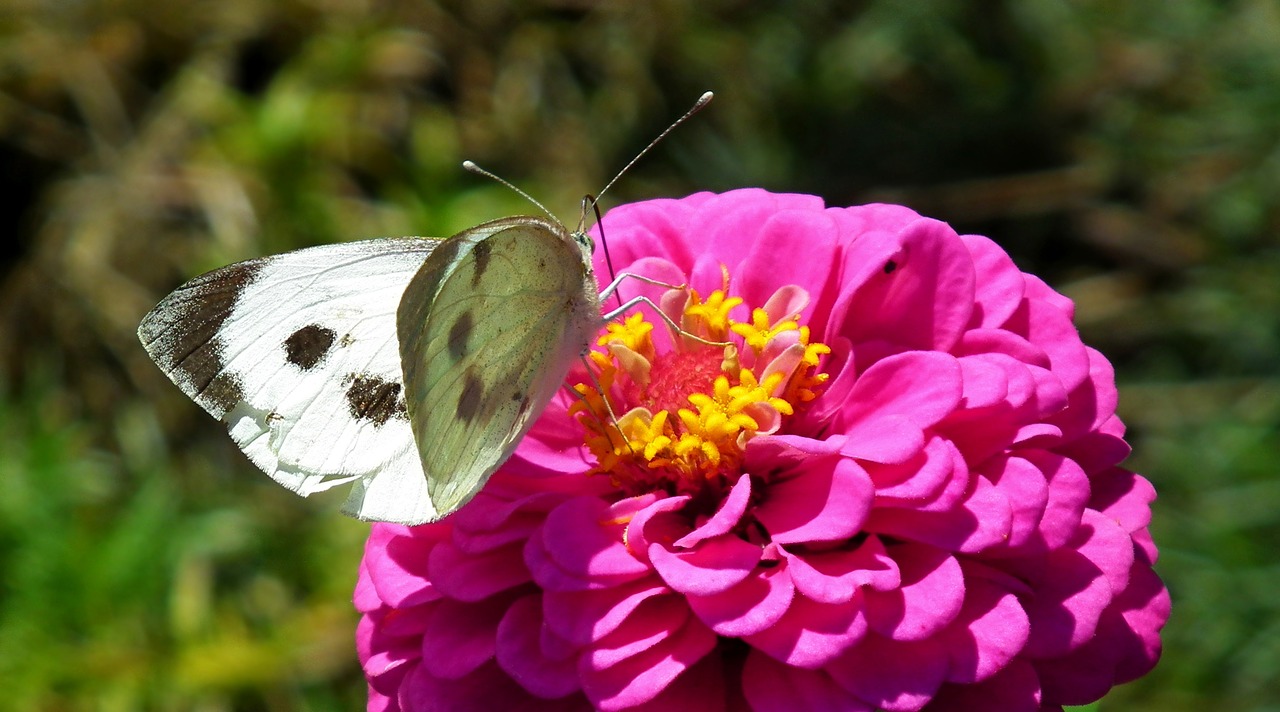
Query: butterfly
{"x":408,"y":367}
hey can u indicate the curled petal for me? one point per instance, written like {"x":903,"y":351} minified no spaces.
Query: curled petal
{"x":584,"y":537}
{"x":712,"y":567}
{"x":586,"y":616}
{"x":474,"y":577}
{"x":930,"y":597}
{"x":837,"y":575}
{"x":920,"y":296}
{"x":811,"y":634}
{"x":827,"y":501}
{"x":981,"y":521}
{"x":520,"y":652}
{"x":895,"y":676}
{"x":991,"y":630}
{"x":634,"y":665}
{"x":754,"y":604}
{"x":460,"y":636}
{"x":726,"y":517}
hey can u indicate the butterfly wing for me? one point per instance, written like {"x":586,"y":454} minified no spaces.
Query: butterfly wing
{"x":489,"y":328}
{"x":297,"y":354}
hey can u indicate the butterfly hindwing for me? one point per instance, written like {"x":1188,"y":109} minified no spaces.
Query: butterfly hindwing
{"x":297,"y":354}
{"x":488,"y":331}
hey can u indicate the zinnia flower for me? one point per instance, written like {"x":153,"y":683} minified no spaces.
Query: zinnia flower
{"x":875,"y":470}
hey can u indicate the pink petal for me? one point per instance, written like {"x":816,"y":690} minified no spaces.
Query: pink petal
{"x":836,"y":576}
{"x":921,"y":386}
{"x":584,"y":537}
{"x":981,"y":344}
{"x":1104,"y":542}
{"x":551,"y":577}
{"x":365,"y":597}
{"x":397,"y":564}
{"x":827,"y":501}
{"x":926,"y":480}
{"x":1126,"y":645}
{"x":749,"y":607}
{"x":587,"y":616}
{"x":771,"y":686}
{"x":1092,"y":402}
{"x":655,"y":620}
{"x":724,"y":221}
{"x":980,"y":522}
{"x":790,"y":299}
{"x":1124,"y":496}
{"x":890,"y":439}
{"x":931,"y":595}
{"x":486,"y":689}
{"x":462,"y":636}
{"x":892,"y":675}
{"x":653,"y":228}
{"x":1145,"y":607}
{"x":386,"y":659}
{"x":1049,"y":328}
{"x":701,"y":688}
{"x":637,"y":678}
{"x":758,"y":277}
{"x":810,"y":634}
{"x":713,"y":566}
{"x":519,"y":653}
{"x":726,"y":517}
{"x":491,"y":521}
{"x":1096,"y":451}
{"x":1026,"y":489}
{"x":473,"y":577}
{"x":922,"y":297}
{"x":656,"y":523}
{"x":989,"y":633}
{"x":1071,"y":594}
{"x":1068,"y":494}
{"x":1000,"y":286}
{"x":1015,"y":689}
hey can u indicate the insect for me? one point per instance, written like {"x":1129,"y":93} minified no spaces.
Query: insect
{"x":408,"y":367}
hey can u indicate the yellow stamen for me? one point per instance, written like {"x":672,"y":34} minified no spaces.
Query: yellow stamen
{"x":705,"y":440}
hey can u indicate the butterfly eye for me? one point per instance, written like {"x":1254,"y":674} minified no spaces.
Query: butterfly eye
{"x":585,"y":242}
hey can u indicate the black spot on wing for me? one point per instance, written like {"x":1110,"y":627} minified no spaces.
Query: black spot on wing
{"x":308,"y":346}
{"x":374,"y":399}
{"x":459,"y":333}
{"x":472,"y":397}
{"x":182,"y":335}
{"x":481,"y":252}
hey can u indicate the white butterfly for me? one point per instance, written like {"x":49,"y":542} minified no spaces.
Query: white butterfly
{"x":299,"y":354}
{"x":329,"y":363}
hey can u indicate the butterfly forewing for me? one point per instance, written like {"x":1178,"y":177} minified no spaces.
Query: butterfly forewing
{"x":489,"y":328}
{"x":297,"y":354}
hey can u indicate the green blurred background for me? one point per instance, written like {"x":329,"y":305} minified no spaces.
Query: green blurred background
{"x":1127,"y":152}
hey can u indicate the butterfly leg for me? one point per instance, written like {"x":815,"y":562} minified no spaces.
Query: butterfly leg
{"x":608,"y":407}
{"x":617,"y":282}
{"x":637,"y":301}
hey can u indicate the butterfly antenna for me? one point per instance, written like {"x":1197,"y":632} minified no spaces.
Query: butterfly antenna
{"x":608,"y":259}
{"x":472,"y":167}
{"x":697,"y":106}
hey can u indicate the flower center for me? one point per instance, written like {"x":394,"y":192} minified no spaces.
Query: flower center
{"x":678,"y":416}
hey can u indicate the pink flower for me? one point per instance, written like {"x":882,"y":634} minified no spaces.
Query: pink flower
{"x":898,"y":489}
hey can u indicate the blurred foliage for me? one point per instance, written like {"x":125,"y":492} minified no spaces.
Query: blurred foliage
{"x":1126,"y":152}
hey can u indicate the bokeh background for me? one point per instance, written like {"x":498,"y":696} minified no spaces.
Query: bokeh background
{"x":1129,"y":153}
